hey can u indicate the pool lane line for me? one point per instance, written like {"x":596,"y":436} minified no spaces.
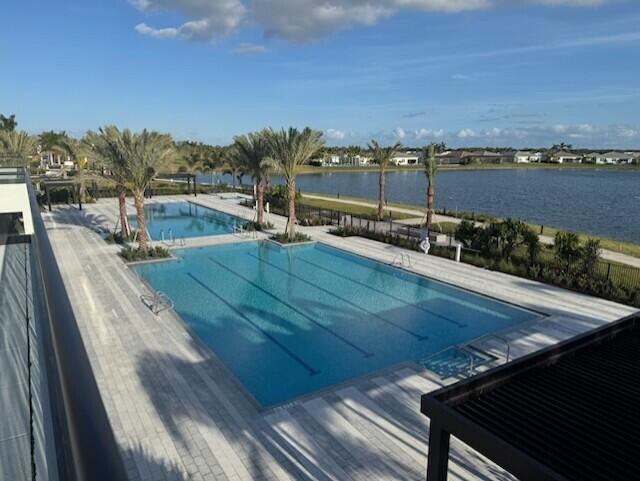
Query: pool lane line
{"x":296,"y":310}
{"x":418,"y":336}
{"x":293,"y":355}
{"x":444,"y":318}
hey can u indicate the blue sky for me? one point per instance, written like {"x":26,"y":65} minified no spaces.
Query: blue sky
{"x":467,"y":72}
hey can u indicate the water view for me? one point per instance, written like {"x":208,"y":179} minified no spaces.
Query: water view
{"x":599,"y":202}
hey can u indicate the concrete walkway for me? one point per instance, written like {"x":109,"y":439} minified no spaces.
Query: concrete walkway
{"x":606,"y":254}
{"x":178,"y":413}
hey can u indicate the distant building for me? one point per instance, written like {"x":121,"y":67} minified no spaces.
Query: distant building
{"x":564,"y":157}
{"x":406,"y":158}
{"x":486,"y":157}
{"x":611,"y":157}
{"x":526,"y":157}
{"x":449,"y":158}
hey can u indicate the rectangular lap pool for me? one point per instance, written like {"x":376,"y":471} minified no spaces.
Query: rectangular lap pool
{"x":291,"y":321}
{"x":185,"y":219}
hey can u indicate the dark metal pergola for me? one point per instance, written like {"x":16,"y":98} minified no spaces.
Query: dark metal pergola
{"x":72,"y":185}
{"x":568,"y":412}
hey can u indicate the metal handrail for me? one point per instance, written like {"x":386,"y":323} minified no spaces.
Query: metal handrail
{"x":85,"y":444}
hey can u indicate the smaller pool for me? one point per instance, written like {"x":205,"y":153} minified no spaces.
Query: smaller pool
{"x":185,"y":219}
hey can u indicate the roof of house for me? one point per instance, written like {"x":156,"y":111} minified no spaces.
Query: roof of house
{"x":564,"y":153}
{"x":568,"y":412}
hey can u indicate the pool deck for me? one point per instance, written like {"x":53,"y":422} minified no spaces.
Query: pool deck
{"x":177,"y":413}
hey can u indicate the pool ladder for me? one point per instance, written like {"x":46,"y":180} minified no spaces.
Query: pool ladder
{"x":172,"y":241}
{"x":403,"y":260}
{"x":158,"y":302}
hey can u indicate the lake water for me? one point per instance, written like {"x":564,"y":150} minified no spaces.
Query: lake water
{"x":601,"y":202}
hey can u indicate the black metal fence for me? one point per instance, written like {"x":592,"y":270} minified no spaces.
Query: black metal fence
{"x":409,"y":235}
{"x":85,"y":444}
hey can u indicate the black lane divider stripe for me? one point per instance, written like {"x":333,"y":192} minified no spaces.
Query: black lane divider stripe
{"x":408,"y":331}
{"x":295,"y":309}
{"x":293,"y":355}
{"x":444,"y":318}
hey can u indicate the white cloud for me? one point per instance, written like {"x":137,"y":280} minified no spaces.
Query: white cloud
{"x":466,"y":133}
{"x":304,"y":20}
{"x":207,"y":18}
{"x":399,"y":133}
{"x":250,"y":49}
{"x":429,"y":133}
{"x":144,"y":29}
{"x":459,"y":76}
{"x":334,"y":134}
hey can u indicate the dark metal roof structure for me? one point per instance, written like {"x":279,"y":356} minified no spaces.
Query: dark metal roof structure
{"x":568,"y":412}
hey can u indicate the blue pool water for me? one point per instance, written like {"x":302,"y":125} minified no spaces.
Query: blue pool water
{"x":185,"y":219}
{"x":289,"y":321}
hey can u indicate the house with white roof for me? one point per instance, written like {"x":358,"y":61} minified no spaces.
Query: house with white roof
{"x":565,"y":157}
{"x":611,"y":157}
{"x":527,"y":156}
{"x":406,"y":158}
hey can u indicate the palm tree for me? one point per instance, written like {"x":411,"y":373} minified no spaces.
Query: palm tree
{"x":252,"y":153}
{"x":213,"y":160}
{"x":17,"y":146}
{"x":107,"y":144}
{"x":54,"y":143}
{"x":383,"y":156}
{"x":290,"y":149}
{"x":430,"y":170}
{"x":144,"y":155}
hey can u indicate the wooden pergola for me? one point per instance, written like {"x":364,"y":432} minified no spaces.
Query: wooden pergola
{"x":72,"y":186}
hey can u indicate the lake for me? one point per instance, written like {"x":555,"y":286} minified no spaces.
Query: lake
{"x":601,"y":202}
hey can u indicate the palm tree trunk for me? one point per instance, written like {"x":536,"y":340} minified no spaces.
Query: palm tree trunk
{"x":122,"y":202}
{"x":291,"y":222}
{"x":260,"y":200}
{"x":381,"y":200}
{"x":143,"y":240}
{"x":267,"y":187}
{"x":429,"y":217}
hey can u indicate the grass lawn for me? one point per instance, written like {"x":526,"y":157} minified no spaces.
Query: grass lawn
{"x":353,"y":209}
{"x":627,"y":248}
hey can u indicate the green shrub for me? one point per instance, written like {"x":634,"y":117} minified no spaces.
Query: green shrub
{"x":283,"y":238}
{"x":131,"y":254}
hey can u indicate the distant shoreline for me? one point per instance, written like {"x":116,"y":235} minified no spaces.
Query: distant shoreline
{"x":307,"y":169}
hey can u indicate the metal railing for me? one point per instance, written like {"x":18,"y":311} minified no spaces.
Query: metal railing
{"x":86,"y":449}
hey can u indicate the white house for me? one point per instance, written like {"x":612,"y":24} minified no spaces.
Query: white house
{"x":526,"y":156}
{"x":611,"y":157}
{"x":406,"y":158}
{"x":564,"y":157}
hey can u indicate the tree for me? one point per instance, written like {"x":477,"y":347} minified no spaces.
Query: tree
{"x":8,"y":124}
{"x":430,"y":170}
{"x":17,"y":146}
{"x":567,"y":247}
{"x":532,"y":241}
{"x":290,"y":149}
{"x":55,"y":143}
{"x":252,"y":153}
{"x":213,"y":160}
{"x":108,"y":145}
{"x":383,"y":156}
{"x":562,"y":146}
{"x":590,"y":255}
{"x":144,"y":154}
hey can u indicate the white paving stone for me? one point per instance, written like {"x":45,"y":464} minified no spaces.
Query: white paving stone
{"x":178,"y":414}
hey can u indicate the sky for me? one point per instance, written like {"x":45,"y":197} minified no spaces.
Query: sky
{"x":520,"y":73}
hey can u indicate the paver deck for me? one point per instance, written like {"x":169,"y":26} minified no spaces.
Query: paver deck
{"x":178,"y":413}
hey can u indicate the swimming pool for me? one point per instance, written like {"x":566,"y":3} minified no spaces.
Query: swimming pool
{"x":290,"y":321}
{"x":185,"y":219}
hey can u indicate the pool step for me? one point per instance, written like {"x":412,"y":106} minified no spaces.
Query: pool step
{"x":456,"y":362}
